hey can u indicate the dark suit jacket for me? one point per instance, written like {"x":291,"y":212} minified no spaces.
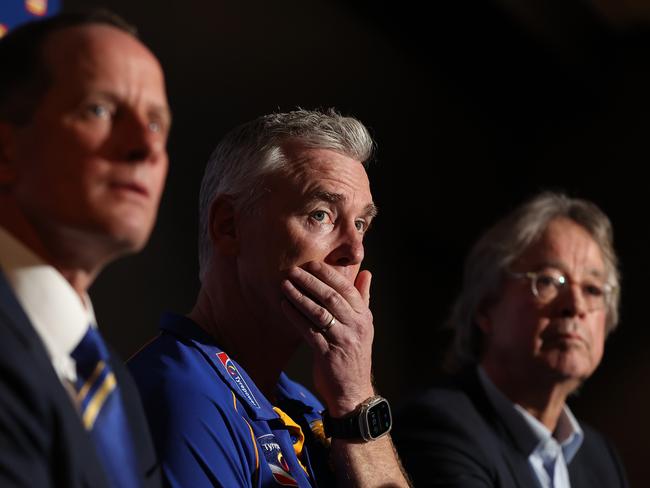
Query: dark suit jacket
{"x":42,"y":440}
{"x":451,"y":436}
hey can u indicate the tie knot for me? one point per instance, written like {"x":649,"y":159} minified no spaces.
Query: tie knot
{"x":90,"y":351}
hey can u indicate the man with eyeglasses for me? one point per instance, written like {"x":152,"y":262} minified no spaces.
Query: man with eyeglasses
{"x":540,"y":295}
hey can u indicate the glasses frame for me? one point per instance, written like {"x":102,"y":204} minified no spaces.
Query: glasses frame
{"x":533,"y":276}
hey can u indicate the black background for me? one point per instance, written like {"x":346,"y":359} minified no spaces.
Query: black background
{"x":475,"y":106}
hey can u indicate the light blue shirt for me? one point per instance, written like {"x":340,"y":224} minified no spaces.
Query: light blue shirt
{"x":549,"y":452}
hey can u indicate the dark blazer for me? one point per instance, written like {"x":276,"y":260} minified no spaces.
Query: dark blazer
{"x":42,"y":440}
{"x":451,"y":436}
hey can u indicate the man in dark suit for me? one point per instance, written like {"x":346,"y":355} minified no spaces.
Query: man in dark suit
{"x":83,"y":128}
{"x":540,"y":294}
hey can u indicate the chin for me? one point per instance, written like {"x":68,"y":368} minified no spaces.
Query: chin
{"x":132,"y":230}
{"x":126,"y":240}
{"x":569,"y":366}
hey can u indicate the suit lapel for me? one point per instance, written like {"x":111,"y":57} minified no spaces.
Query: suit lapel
{"x":508,"y":455}
{"x":79,"y":451}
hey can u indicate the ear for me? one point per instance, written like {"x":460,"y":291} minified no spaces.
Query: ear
{"x":7,"y":153}
{"x":223,"y":226}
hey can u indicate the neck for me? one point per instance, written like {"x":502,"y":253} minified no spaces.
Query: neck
{"x":69,"y":257}
{"x":254,"y":342}
{"x":545,"y":401}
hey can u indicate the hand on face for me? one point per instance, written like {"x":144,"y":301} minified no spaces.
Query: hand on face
{"x":316,"y":293}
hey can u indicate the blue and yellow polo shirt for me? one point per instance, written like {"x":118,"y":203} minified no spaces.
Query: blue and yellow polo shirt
{"x":212,"y":426}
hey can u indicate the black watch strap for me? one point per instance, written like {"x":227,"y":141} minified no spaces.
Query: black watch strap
{"x":369,"y":421}
{"x":342,"y":428}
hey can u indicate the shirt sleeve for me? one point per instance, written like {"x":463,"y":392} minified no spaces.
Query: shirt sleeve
{"x":200,"y":432}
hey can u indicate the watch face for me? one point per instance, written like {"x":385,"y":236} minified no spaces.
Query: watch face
{"x":379,"y":419}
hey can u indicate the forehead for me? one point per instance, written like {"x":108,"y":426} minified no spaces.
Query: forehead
{"x":320,"y":175}
{"x":309,"y":166}
{"x":567,"y":245}
{"x":100,"y":52}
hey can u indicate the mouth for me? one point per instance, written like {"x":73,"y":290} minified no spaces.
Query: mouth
{"x":130,"y":187}
{"x":568,"y":337}
{"x":566,"y":340}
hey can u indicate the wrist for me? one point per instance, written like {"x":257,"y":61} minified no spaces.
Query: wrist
{"x":370,"y":420}
{"x":346,"y":405}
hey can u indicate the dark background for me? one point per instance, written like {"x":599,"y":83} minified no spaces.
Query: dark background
{"x":475,"y":106}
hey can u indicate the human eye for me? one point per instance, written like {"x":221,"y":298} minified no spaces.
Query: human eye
{"x":550,"y":279}
{"x":361,"y":225}
{"x":320,"y":216}
{"x":593,"y":289}
{"x":154,"y":126}
{"x":158,"y":123}
{"x":99,"y":110}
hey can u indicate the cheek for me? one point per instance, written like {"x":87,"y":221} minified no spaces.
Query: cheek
{"x":598,"y":339}
{"x":159,"y":177}
{"x":300,"y":244}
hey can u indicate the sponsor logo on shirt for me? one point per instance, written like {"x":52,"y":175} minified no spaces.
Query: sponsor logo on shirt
{"x":275,"y":459}
{"x":239,"y":380}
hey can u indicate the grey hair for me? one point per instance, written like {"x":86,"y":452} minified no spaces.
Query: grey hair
{"x":254,"y":150}
{"x":501,"y":245}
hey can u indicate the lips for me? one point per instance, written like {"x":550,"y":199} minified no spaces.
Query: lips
{"x":132,"y":187}
{"x":565,"y":333}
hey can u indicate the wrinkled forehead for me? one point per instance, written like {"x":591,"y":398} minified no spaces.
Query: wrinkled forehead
{"x":568,"y":246}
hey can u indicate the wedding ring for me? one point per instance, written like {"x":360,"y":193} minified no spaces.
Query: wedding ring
{"x":329,"y":325}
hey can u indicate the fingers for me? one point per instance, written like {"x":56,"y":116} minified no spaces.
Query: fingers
{"x":318,"y":316}
{"x":332,"y":314}
{"x":312,"y":336}
{"x":328,"y":285}
{"x":322,"y":298}
{"x":362,"y":283}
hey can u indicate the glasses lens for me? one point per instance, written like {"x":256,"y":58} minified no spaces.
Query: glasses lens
{"x":547,"y":285}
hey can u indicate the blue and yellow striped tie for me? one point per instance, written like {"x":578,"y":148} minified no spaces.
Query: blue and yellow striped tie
{"x":102,"y":411}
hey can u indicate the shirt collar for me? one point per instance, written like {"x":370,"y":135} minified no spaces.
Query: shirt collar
{"x":232,"y":373}
{"x":528,"y":432}
{"x":57,"y":313}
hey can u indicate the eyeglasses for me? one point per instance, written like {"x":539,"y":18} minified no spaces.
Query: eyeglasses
{"x":549,"y":284}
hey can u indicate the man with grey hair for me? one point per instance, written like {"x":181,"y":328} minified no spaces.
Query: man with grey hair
{"x":284,"y":206}
{"x":540,"y":294}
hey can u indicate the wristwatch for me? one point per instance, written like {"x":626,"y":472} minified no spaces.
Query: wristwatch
{"x":369,"y":421}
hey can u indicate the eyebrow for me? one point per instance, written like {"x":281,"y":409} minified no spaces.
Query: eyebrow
{"x":369,"y":211}
{"x":556,"y":264}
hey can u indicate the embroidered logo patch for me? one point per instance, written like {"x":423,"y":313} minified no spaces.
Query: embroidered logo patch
{"x":275,"y":460}
{"x":237,"y":378}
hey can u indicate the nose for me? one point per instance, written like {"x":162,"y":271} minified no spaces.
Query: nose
{"x":140,"y":141}
{"x":348,"y":251}
{"x":573,"y":302}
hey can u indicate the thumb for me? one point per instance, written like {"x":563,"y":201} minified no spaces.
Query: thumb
{"x":362,"y":283}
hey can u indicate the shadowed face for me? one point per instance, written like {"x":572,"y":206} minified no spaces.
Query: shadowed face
{"x":317,"y":210}
{"x":92,"y":160}
{"x":562,"y":339}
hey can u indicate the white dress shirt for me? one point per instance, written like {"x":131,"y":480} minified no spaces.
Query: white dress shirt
{"x":57,"y":313}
